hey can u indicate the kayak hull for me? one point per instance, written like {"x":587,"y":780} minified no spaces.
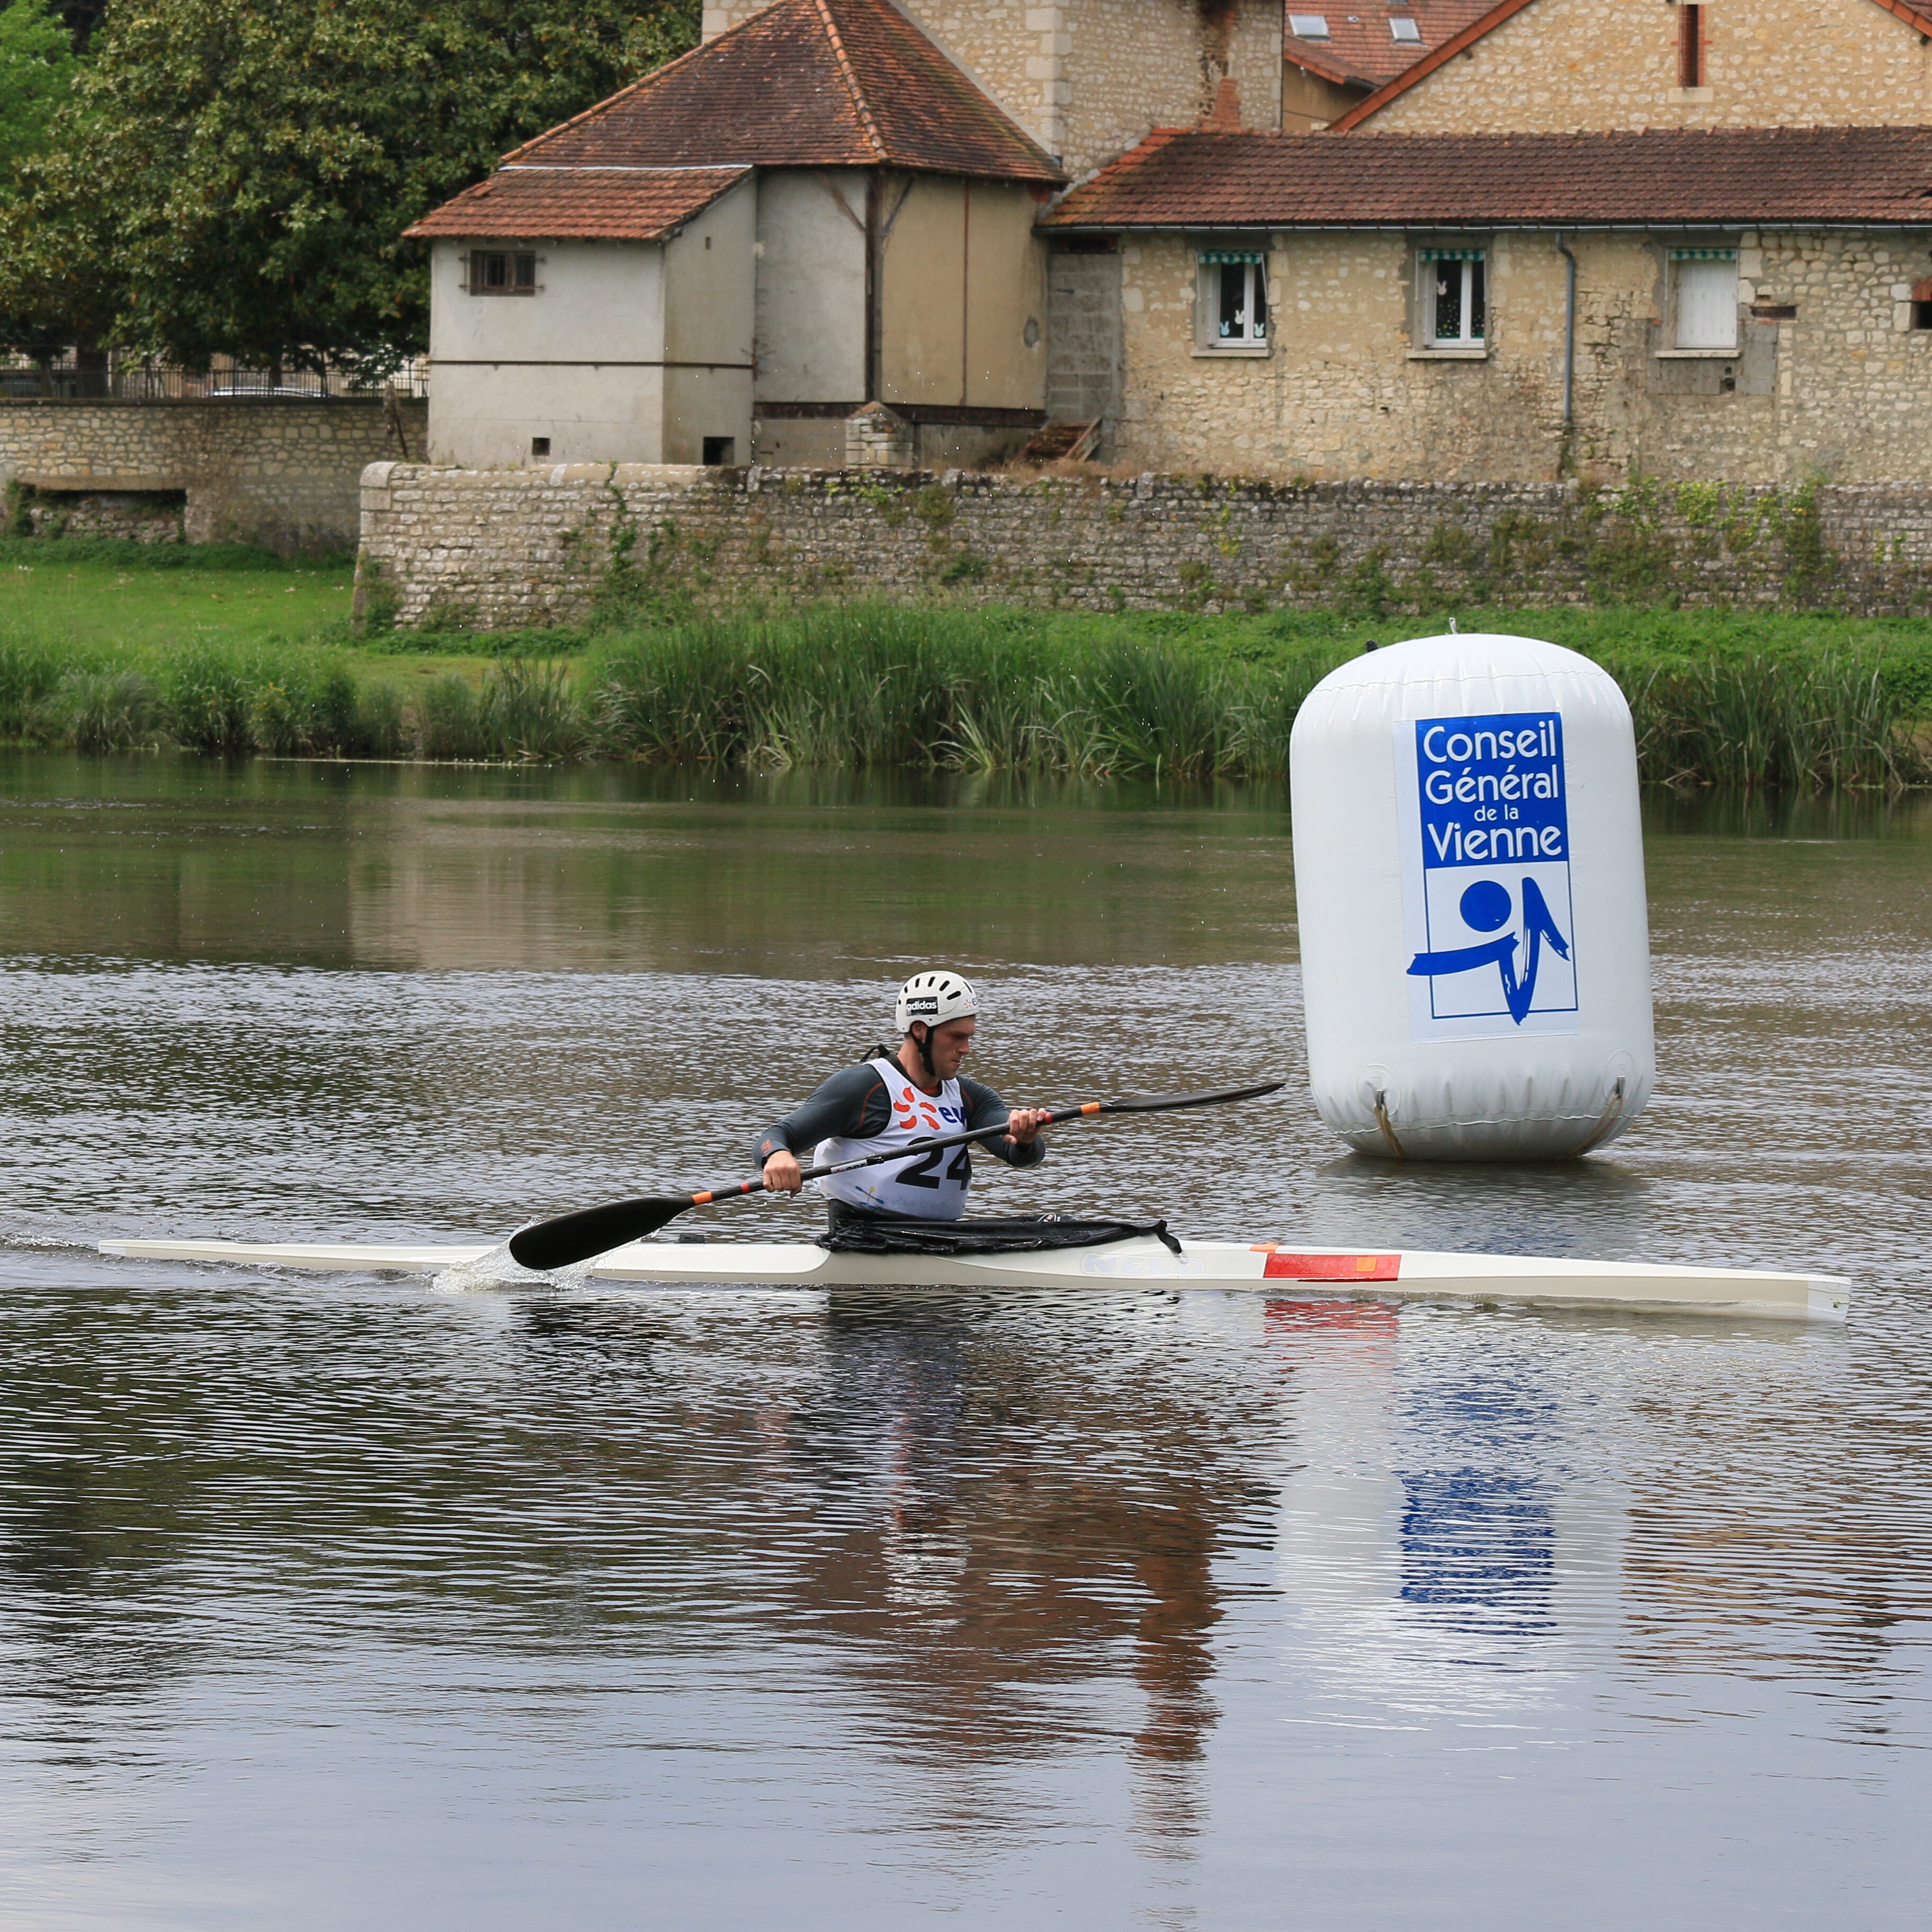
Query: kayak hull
{"x":1277,"y":1268}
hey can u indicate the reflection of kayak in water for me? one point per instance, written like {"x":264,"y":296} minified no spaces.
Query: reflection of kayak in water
{"x":1265,"y":1267}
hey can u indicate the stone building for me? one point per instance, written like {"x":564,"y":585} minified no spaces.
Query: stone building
{"x":1334,"y":60}
{"x":1572,"y":237}
{"x":1423,"y":240}
{"x":1576,"y":66}
{"x":1753,"y":305}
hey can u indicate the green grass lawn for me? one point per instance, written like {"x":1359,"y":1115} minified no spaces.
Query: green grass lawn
{"x":129,"y":602}
{"x":103,"y":644}
{"x":123,"y":596}
{"x":72,"y":590}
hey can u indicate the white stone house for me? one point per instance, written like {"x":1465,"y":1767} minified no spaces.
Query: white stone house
{"x":582,"y":317}
{"x":815,"y":211}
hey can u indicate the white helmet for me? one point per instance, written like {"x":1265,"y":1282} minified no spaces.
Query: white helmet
{"x":935,"y":998}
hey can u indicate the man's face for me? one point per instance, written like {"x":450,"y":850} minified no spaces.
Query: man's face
{"x":950,"y":1045}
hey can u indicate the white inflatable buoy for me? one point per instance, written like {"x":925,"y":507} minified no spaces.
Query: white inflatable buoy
{"x":1468,"y":875}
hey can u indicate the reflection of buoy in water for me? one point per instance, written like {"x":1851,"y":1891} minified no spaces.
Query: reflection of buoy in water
{"x":1468,"y":869}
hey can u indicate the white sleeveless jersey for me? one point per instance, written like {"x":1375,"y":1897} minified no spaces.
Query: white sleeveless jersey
{"x":928,"y":1186}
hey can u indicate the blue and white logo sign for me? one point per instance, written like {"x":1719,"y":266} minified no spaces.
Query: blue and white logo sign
{"x":1486,"y":875}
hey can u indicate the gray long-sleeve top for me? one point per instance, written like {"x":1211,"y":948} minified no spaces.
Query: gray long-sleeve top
{"x":855,"y":1104}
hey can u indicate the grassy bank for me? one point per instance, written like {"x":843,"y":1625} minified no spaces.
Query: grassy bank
{"x":106,"y":593}
{"x":231,"y":651}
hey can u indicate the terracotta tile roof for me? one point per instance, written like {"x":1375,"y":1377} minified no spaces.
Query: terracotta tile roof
{"x":580,"y":204}
{"x":1361,"y":49}
{"x":1917,"y":17}
{"x":1186,"y":178}
{"x":806,"y":83}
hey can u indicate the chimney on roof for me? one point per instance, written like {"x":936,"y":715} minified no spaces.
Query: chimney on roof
{"x":1225,"y":117}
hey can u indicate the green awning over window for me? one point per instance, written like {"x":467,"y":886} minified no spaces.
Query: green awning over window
{"x":1449,"y":254}
{"x":1703,"y":254}
{"x":1213,"y":255}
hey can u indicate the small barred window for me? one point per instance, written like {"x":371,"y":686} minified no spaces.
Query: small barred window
{"x":497,"y":272}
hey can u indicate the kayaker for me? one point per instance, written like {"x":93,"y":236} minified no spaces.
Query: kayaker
{"x":895,"y":1100}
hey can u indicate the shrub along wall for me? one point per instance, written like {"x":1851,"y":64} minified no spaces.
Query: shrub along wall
{"x":492,"y":549}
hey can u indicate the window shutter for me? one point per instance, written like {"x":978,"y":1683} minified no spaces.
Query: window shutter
{"x":1689,"y":45}
{"x":1707,"y":297}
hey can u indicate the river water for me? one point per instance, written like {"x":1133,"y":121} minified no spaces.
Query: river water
{"x":355,"y":1602}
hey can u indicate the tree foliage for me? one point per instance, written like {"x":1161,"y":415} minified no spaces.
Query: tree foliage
{"x":235,"y":176}
{"x":37,"y":67}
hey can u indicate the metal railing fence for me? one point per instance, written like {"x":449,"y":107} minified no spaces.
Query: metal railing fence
{"x":74,"y":377}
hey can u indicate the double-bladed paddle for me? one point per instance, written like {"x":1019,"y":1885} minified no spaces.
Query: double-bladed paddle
{"x":594,"y":1231}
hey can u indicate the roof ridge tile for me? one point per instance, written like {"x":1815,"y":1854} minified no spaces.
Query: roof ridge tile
{"x":860,"y":105}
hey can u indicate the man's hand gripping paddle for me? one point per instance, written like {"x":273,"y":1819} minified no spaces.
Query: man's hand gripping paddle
{"x":595,"y":1231}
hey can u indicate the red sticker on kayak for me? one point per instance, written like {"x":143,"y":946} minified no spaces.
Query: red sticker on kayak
{"x":1331,"y":1267}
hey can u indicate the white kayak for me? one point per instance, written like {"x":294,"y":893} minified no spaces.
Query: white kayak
{"x":1267,"y":1267}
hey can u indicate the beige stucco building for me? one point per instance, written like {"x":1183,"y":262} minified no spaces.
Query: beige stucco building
{"x":638,"y":341}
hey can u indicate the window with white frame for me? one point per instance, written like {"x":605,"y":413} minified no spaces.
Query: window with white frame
{"x":1233,"y":299}
{"x":1705,"y":291}
{"x":1453,"y":287}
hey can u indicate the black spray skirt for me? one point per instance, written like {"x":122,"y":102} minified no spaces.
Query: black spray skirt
{"x":854,"y":1231}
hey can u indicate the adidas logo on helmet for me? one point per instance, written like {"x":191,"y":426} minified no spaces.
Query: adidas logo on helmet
{"x":935,"y":997}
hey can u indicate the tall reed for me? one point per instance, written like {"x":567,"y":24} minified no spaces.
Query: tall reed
{"x":975,"y":689}
{"x":1757,"y":723}
{"x":873,"y":685}
{"x":97,"y":711}
{"x":519,"y":711}
{"x":31,"y":669}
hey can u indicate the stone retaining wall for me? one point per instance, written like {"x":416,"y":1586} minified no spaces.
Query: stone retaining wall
{"x":495,"y":549}
{"x":282,"y":472}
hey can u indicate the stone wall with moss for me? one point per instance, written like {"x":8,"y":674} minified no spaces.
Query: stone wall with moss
{"x":503,"y":548}
{"x":281,"y":472}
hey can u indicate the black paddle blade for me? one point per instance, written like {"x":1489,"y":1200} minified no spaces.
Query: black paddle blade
{"x":1161,"y":1103}
{"x":593,"y":1231}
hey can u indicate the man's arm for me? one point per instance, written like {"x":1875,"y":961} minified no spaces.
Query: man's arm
{"x":984,"y":1108}
{"x":852,"y":1105}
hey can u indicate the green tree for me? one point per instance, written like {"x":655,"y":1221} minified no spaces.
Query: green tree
{"x":235,"y":176}
{"x":37,"y":66}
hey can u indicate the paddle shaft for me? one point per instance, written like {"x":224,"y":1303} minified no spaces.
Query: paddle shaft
{"x":1049,"y":1118}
